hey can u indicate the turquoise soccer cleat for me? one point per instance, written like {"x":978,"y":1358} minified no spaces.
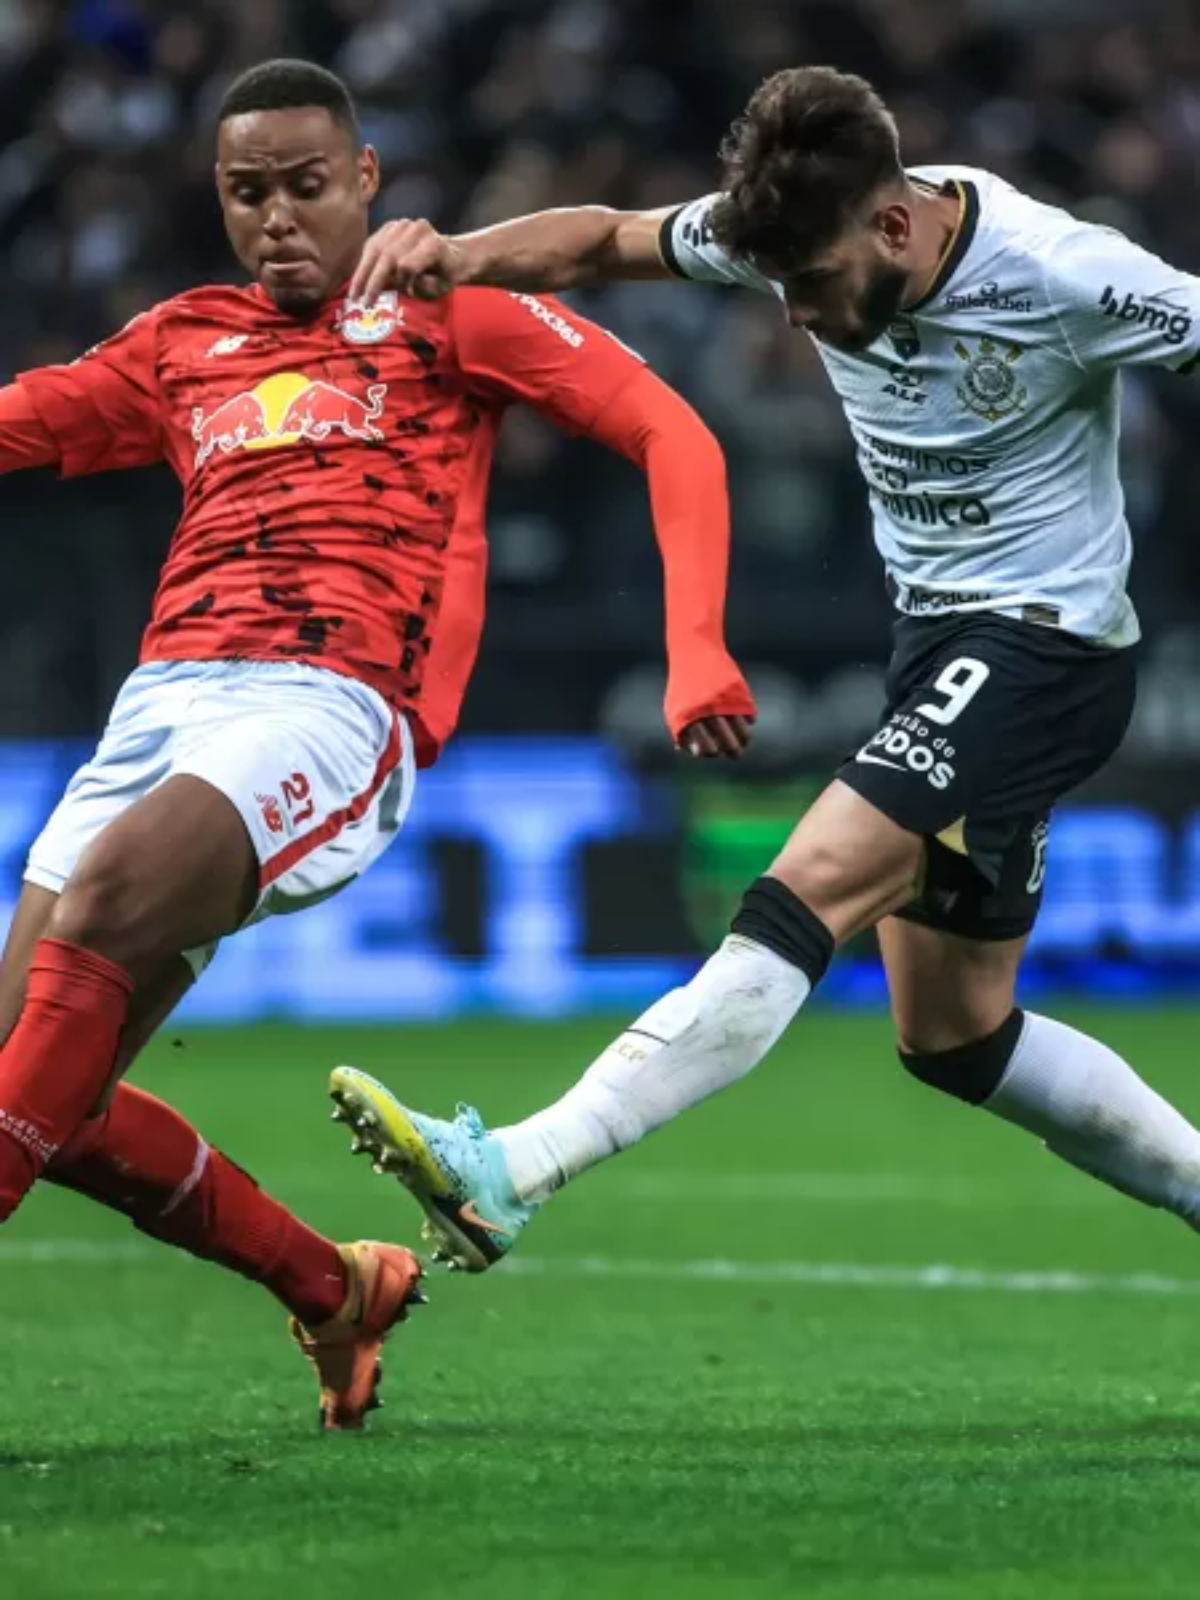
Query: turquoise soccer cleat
{"x":456,"y":1171}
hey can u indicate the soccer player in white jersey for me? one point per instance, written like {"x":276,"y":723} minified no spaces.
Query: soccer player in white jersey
{"x":975,"y":337}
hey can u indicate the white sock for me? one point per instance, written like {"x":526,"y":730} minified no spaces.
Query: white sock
{"x":689,"y":1044}
{"x":1094,"y":1111}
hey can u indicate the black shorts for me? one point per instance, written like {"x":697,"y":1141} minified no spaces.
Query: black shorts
{"x":989,"y":721}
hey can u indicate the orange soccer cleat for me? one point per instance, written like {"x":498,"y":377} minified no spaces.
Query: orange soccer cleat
{"x":383,"y":1281}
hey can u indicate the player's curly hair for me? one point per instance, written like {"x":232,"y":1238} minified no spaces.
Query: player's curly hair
{"x":810,"y":149}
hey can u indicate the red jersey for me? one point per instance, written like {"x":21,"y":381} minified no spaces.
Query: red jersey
{"x":335,"y":471}
{"x":325,"y":463}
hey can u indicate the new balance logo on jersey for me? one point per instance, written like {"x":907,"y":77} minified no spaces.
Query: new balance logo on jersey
{"x":228,"y":346}
{"x":1148,"y":312}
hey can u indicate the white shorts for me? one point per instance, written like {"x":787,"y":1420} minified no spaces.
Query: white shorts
{"x":320,"y":768}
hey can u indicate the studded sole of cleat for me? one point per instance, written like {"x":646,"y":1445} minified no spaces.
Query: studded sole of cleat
{"x":398,"y":1151}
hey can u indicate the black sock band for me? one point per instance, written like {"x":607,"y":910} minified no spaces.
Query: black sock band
{"x":773,"y":916}
{"x":970,"y":1072}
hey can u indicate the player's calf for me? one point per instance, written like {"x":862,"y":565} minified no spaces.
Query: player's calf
{"x":1082,"y":1099}
{"x":143,"y":1159}
{"x":57,"y":1059}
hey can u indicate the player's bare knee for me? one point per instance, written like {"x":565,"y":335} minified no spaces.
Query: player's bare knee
{"x":958,"y":1005}
{"x":947,"y":990}
{"x":940,"y":1021}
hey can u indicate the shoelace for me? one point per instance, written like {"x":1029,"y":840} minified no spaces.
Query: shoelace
{"x":471,"y":1121}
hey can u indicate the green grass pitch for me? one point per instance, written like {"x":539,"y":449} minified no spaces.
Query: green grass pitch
{"x":818,"y":1414}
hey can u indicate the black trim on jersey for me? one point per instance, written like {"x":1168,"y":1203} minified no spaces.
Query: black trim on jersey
{"x":666,"y":244}
{"x":963,"y":239}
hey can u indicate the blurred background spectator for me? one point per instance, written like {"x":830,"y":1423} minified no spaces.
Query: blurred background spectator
{"x":486,"y":108}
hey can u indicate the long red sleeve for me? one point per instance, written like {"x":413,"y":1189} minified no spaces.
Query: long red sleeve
{"x":104,"y":411}
{"x":652,"y":425}
{"x":25,"y":441}
{"x":534,"y":349}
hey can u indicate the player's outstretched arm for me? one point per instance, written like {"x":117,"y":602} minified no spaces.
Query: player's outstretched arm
{"x":102,"y":412}
{"x":549,"y":250}
{"x":541,"y":352}
{"x":709,"y":707}
{"x":25,"y":441}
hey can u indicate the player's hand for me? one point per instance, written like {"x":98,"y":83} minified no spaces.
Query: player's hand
{"x":713,"y":738}
{"x":410,"y":257}
{"x":708,"y":705}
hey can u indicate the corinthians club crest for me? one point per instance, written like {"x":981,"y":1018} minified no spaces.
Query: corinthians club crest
{"x":990,"y":387}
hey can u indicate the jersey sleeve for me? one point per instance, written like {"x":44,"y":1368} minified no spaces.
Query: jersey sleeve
{"x":24,"y":439}
{"x":688,"y":248}
{"x":685,"y":469}
{"x":1119,"y":305}
{"x":535,"y":350}
{"x":103,"y":410}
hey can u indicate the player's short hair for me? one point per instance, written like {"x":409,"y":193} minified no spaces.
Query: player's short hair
{"x":290,"y":85}
{"x":810,"y":149}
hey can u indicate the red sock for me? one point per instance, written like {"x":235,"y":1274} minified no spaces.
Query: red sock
{"x":57,"y":1059}
{"x":145,"y":1160}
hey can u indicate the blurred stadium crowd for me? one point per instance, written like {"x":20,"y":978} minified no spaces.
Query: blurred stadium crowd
{"x":487,"y":108}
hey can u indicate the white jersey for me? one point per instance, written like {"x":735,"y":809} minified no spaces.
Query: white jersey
{"x":987,"y":418}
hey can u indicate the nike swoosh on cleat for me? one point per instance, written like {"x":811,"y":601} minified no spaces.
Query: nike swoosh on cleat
{"x":469,"y":1214}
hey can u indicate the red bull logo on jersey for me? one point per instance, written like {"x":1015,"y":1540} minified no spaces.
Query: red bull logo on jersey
{"x":285,"y":409}
{"x":272,"y":814}
{"x":363,"y":324}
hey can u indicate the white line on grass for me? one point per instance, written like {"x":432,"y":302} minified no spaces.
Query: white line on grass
{"x":856,"y":1275}
{"x":805,"y":1274}
{"x":839,"y":1188}
{"x":52,"y":1251}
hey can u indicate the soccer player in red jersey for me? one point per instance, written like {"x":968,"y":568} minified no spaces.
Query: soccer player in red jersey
{"x":311,"y":638}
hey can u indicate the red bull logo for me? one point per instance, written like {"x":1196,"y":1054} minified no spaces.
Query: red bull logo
{"x":285,"y":409}
{"x":272,"y":814}
{"x":363,"y":324}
